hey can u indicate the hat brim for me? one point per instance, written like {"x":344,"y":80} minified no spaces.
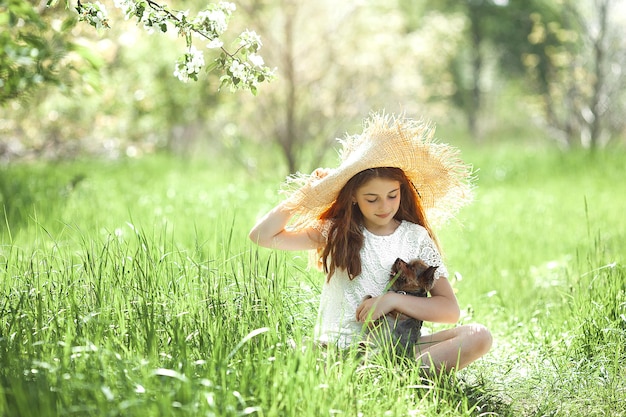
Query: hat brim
{"x":441,"y":178}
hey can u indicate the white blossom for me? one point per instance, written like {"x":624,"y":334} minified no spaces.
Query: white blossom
{"x":227,"y":6}
{"x":190,"y":66}
{"x":244,"y":69}
{"x":102,"y":11}
{"x":215,"y":43}
{"x":256,"y":60}
{"x":238,"y":70}
{"x":197,"y":60}
{"x":249,"y":39}
{"x":126,"y":6}
{"x":182,"y":14}
{"x":180,"y":73}
{"x":95,"y":14}
{"x":214,"y":21}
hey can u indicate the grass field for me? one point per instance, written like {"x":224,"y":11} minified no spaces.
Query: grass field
{"x":130,"y":289}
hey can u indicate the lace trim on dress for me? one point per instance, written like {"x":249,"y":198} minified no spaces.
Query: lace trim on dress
{"x":341,"y":296}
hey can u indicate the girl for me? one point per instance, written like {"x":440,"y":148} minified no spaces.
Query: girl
{"x":366,"y":213}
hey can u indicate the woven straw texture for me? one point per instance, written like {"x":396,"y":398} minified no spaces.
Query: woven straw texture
{"x":442,"y":179}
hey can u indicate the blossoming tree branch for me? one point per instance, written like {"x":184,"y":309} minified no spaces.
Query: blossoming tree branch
{"x":241,"y":69}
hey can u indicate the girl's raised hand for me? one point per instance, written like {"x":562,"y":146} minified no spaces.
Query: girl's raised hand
{"x":319,"y":173}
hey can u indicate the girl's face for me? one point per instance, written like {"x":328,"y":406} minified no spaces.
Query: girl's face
{"x":379,"y":200}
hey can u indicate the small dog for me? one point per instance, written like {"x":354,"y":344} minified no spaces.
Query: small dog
{"x":411,"y":278}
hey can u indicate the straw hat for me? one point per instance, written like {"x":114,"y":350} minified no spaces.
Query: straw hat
{"x":441,"y":178}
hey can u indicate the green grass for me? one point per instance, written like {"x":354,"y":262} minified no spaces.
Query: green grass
{"x":130,"y":289}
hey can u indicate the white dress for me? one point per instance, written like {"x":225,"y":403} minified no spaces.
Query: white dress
{"x":341,"y":296}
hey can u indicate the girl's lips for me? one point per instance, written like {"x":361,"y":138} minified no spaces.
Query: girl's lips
{"x":382,"y":216}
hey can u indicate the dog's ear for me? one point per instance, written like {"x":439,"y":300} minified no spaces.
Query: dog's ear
{"x":430,"y":272}
{"x":427,"y":278}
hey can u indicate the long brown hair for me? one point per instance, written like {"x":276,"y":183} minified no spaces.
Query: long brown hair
{"x":345,"y":236}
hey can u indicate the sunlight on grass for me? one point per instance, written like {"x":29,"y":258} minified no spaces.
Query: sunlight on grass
{"x":131,"y":289}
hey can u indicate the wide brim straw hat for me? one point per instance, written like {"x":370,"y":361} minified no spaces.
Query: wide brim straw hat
{"x":443,"y":181}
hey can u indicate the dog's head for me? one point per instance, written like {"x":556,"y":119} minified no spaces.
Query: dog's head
{"x":412,"y":277}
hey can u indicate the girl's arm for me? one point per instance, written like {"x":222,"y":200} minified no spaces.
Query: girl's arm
{"x":270,"y":232}
{"x":441,"y":307}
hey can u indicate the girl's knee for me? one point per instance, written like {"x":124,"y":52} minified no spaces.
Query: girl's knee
{"x":480,"y":337}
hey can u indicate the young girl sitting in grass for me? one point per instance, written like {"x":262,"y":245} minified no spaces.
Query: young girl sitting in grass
{"x":360,"y":217}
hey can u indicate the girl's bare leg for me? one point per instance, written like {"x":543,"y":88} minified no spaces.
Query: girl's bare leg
{"x":453,"y":348}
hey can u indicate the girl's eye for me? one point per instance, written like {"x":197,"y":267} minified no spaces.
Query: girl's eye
{"x":371,"y":201}
{"x":393,"y":196}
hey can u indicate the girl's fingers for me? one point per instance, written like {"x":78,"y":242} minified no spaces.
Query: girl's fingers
{"x":366,"y":310}
{"x":320,"y":173}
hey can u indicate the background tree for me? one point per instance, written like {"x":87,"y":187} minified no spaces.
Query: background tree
{"x":576,"y":58}
{"x":486,"y":65}
{"x":336,"y":62}
{"x":571,"y":52}
{"x":487,"y":57}
{"x":482,"y":23}
{"x":35,"y":42}
{"x":152,"y":113}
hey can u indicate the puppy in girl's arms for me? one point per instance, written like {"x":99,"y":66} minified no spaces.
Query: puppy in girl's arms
{"x":413,"y":278}
{"x":394,"y":183}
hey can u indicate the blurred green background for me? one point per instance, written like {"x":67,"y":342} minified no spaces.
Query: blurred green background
{"x":547,"y":72}
{"x":128,"y":285}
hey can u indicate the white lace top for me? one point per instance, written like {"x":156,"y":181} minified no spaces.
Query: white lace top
{"x":341,"y":296}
